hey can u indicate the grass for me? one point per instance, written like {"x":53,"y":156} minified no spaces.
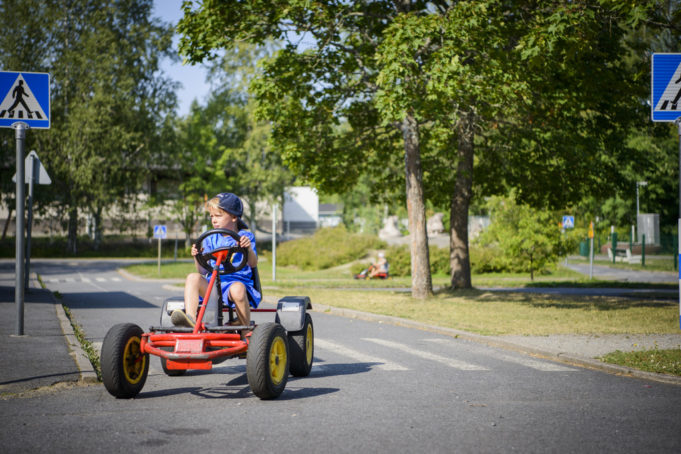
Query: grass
{"x":89,"y":349}
{"x":657,"y":361}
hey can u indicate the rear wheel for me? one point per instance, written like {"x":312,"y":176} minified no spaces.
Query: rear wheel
{"x":267,"y":362}
{"x":124,"y":366}
{"x":170,"y":372}
{"x":301,"y":349}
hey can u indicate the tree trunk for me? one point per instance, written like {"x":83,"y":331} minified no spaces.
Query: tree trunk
{"x":421,"y":283}
{"x":71,"y":245}
{"x":459,"y":256}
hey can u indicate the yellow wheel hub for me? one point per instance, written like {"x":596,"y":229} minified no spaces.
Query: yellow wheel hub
{"x":308,"y":345}
{"x":133,"y":361}
{"x":277,"y":360}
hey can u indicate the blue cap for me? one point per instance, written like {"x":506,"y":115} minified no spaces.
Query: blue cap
{"x":232,"y":205}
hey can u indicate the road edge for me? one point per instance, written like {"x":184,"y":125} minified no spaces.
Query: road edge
{"x":496,"y":341}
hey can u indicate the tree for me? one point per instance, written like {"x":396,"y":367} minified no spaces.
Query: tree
{"x":512,"y":94}
{"x":107,"y":97}
{"x":309,"y":91}
{"x":224,"y":147}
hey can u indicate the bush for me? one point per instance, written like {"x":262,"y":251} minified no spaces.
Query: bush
{"x":487,"y":260}
{"x":399,"y":258}
{"x":327,"y":248}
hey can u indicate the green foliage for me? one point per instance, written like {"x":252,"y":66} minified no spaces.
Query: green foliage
{"x":399,"y":258}
{"x":108,"y":97}
{"x":327,"y":248}
{"x":524,"y":239}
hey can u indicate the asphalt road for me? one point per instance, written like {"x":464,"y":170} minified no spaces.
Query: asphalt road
{"x":374,"y":387}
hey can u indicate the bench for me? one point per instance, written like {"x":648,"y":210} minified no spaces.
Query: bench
{"x":633,"y":259}
{"x":620,"y":254}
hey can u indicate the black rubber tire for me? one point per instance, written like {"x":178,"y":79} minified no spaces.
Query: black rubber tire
{"x":301,"y":349}
{"x":170,"y":372}
{"x":124,"y":367}
{"x":267,"y":361}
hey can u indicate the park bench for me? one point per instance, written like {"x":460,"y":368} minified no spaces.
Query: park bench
{"x":620,"y":254}
{"x":633,"y":259}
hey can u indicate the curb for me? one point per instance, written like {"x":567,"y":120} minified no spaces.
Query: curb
{"x":87,"y":372}
{"x":573,"y":360}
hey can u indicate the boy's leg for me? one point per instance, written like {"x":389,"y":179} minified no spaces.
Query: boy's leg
{"x":194,"y":286}
{"x":239,"y":294}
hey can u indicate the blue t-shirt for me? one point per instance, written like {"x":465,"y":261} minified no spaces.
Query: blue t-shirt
{"x":244,"y":275}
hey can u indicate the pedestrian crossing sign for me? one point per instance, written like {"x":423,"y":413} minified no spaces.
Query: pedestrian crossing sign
{"x":665,"y":102}
{"x":568,"y":222}
{"x":24,"y":97}
{"x":160,"y":232}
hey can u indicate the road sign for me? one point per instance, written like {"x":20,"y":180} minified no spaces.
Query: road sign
{"x":568,"y":222}
{"x":40,"y":176}
{"x":665,"y":102}
{"x":160,"y":232}
{"x":24,"y":97}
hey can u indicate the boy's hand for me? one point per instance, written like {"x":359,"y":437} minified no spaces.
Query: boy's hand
{"x":245,"y":242}
{"x":195,"y":251}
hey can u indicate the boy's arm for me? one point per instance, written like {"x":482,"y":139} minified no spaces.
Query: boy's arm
{"x":245,"y":241}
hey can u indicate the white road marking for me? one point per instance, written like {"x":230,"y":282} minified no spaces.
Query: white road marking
{"x":544,"y":366}
{"x":358,"y":356}
{"x":455,"y":363}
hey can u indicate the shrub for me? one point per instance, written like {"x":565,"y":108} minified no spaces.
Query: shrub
{"x":399,"y":258}
{"x":327,"y":248}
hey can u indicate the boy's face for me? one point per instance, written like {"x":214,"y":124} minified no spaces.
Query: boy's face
{"x":222,"y":220}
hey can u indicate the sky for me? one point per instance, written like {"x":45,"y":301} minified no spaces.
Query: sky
{"x":192,"y":78}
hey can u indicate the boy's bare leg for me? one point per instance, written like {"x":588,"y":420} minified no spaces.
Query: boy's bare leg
{"x":194,"y":286}
{"x":238,"y":294}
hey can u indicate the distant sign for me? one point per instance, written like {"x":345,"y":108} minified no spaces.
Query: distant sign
{"x":24,"y":97}
{"x":665,"y":102}
{"x":160,"y":232}
{"x":568,"y":222}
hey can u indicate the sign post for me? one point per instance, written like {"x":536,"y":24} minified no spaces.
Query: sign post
{"x":665,"y":105}
{"x":20,"y":135}
{"x":161,"y":233}
{"x":24,"y":104}
{"x":591,"y":250}
{"x":35,"y":173}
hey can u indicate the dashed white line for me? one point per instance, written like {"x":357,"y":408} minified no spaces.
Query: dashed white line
{"x":454,"y":363}
{"x":359,"y":356}
{"x":544,"y":366}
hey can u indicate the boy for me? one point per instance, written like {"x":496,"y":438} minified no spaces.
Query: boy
{"x":237,"y":288}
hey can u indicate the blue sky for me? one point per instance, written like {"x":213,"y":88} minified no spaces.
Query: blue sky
{"x":192,"y":78}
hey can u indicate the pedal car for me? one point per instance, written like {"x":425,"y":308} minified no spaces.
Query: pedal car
{"x":272,"y":349}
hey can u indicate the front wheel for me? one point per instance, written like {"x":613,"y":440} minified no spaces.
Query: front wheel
{"x":124,"y":366}
{"x":301,"y":347}
{"x":267,"y":361}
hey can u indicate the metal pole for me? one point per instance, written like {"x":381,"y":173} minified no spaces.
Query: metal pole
{"x":274,"y":242}
{"x":20,"y":134}
{"x":678,"y":124}
{"x":33,"y":176}
{"x":591,"y":251}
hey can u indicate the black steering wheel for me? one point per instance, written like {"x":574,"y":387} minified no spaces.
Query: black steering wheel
{"x":228,"y":266}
